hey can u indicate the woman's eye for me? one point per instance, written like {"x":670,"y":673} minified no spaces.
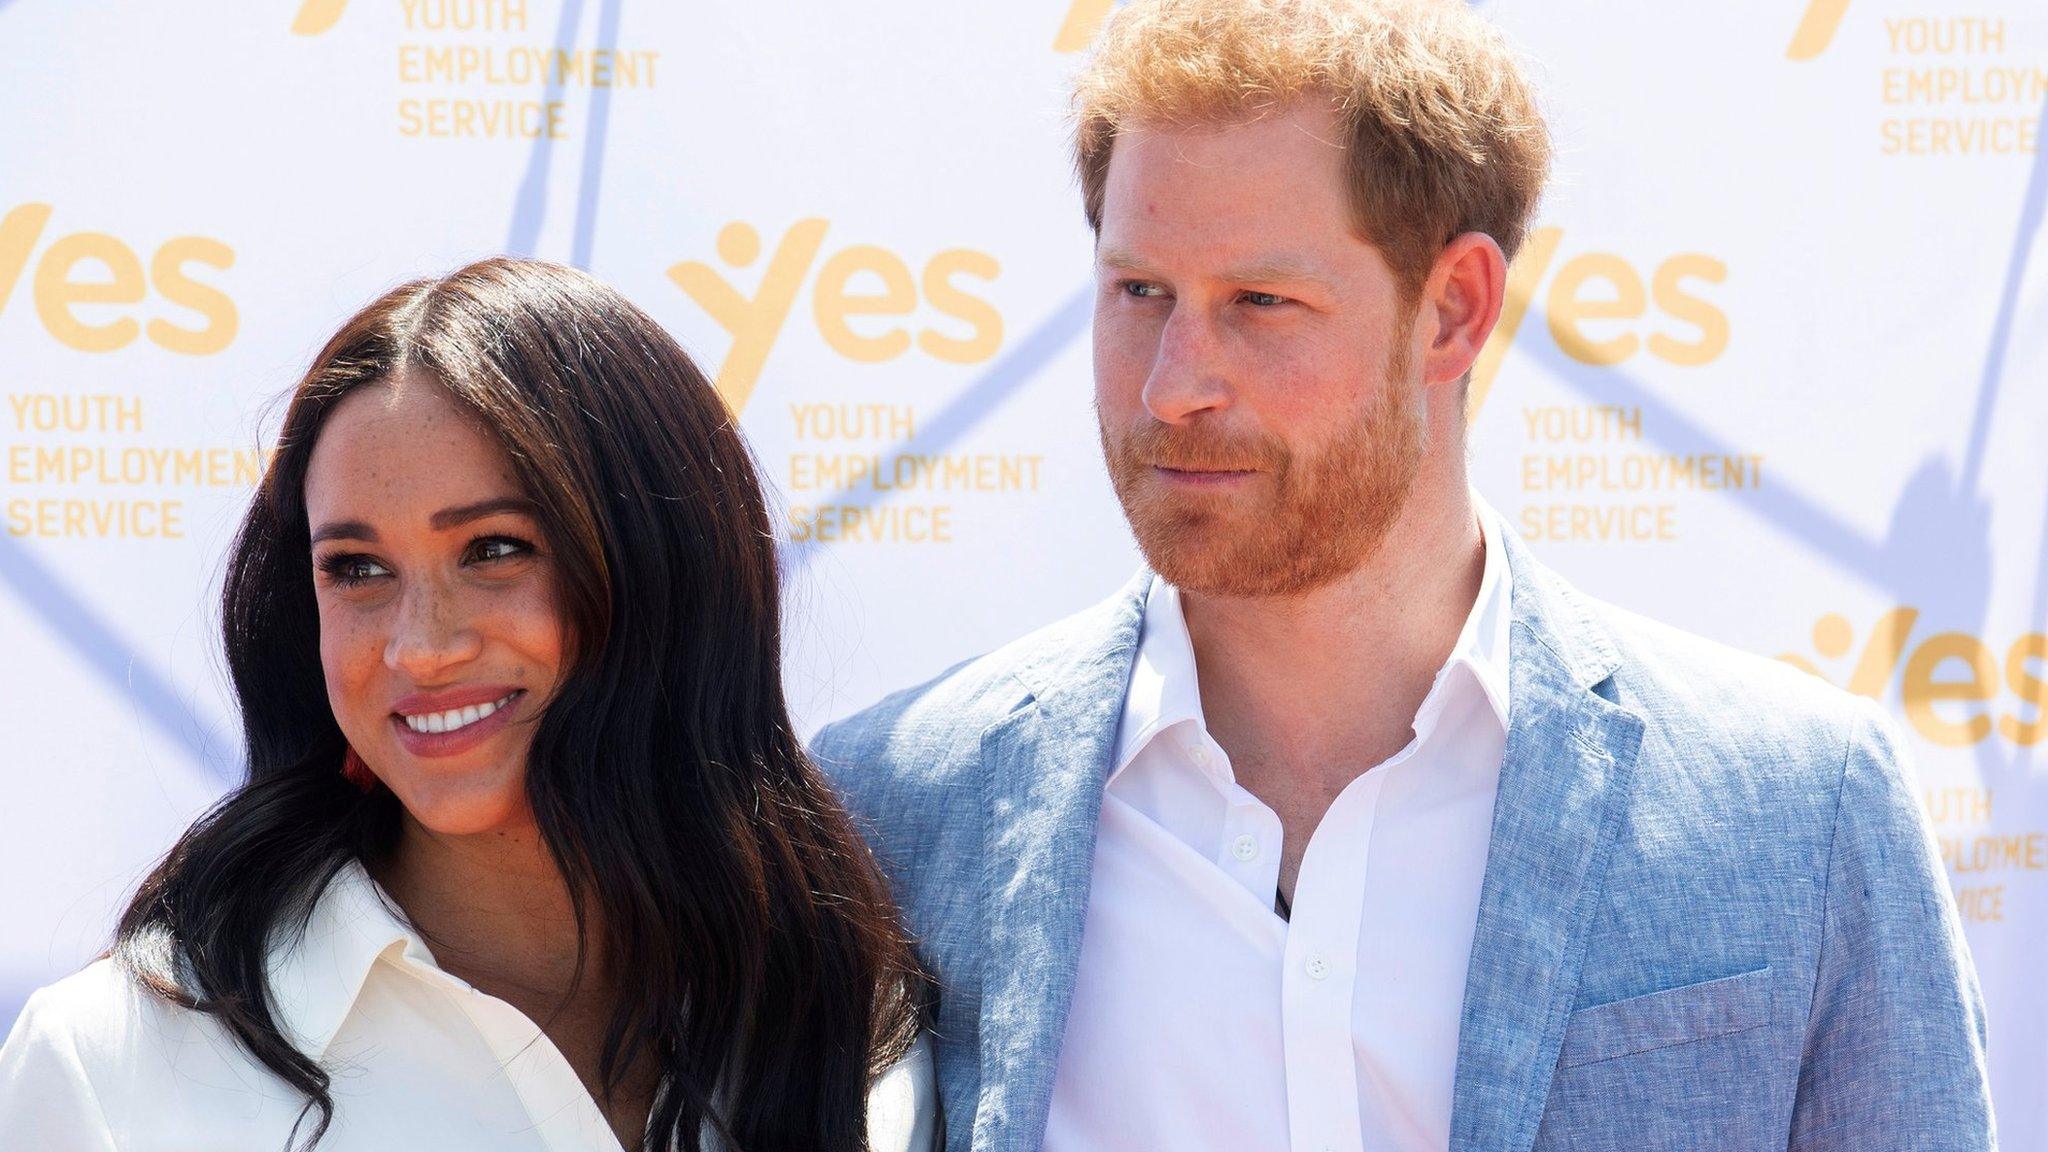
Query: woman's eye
{"x":348,"y":569}
{"x":497,"y":548}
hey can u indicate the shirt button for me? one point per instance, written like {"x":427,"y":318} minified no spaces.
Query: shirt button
{"x":1318,"y":968}
{"x":1245,"y":848}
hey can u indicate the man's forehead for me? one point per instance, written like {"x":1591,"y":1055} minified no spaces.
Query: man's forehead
{"x":1221,"y":172}
{"x":1304,"y":127}
{"x":1266,"y":239}
{"x":1248,"y":263}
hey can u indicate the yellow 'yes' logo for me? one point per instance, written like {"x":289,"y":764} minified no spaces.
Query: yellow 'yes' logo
{"x":1816,"y":29}
{"x":1619,"y":302}
{"x":1951,"y":684}
{"x":1084,"y":20}
{"x":57,"y":291}
{"x":317,"y":16}
{"x":754,"y":322}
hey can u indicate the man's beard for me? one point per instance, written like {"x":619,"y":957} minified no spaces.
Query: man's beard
{"x":1306,"y":521}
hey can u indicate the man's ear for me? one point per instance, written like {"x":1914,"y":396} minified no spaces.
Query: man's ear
{"x":1461,"y":302}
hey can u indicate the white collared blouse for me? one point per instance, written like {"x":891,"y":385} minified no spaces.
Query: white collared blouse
{"x":419,"y":1059}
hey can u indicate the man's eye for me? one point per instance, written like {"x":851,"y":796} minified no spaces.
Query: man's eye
{"x":1263,"y":299}
{"x":1142,"y":289}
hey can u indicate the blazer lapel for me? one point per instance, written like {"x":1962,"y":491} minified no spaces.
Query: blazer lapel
{"x":1564,"y":787}
{"x":1044,"y":766}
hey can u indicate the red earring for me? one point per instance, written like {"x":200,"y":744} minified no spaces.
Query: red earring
{"x":358,"y":773}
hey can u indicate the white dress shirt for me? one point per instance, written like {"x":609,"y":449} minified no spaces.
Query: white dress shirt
{"x":419,"y":1059}
{"x":1201,"y":1019}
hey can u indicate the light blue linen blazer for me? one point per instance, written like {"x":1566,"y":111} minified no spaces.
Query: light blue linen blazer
{"x":1712,"y":914}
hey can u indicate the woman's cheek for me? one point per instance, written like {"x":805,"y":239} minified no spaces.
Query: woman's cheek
{"x":537,"y":623}
{"x":349,"y":658}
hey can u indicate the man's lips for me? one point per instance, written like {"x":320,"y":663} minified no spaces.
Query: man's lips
{"x":1203,"y":476}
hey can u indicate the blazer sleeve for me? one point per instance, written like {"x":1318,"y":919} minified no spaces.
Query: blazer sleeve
{"x":1895,"y":1041}
{"x":47,"y":1101}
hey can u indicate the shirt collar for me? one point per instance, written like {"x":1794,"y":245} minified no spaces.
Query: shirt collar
{"x":1164,"y":691}
{"x":1483,"y":642}
{"x":317,"y":974}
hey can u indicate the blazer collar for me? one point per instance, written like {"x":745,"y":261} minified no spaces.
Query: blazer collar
{"x":1044,"y":768}
{"x":1565,"y":781}
{"x":1075,"y":663}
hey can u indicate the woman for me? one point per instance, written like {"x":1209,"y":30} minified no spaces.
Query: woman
{"x":528,"y":855}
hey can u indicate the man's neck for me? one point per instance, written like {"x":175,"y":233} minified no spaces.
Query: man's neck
{"x":1328,"y":681}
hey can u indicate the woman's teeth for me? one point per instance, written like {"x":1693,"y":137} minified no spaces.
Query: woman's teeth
{"x":454,"y":718}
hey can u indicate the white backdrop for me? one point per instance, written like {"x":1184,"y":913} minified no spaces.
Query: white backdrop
{"x":1774,"y":370}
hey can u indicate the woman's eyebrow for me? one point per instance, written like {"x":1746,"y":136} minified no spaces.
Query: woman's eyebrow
{"x":346,"y":530}
{"x":448,"y":518}
{"x":440,"y":521}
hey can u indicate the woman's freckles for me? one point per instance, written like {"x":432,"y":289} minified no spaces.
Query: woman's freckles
{"x":441,"y":633}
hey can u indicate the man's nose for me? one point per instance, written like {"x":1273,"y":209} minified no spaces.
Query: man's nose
{"x":1188,"y":370}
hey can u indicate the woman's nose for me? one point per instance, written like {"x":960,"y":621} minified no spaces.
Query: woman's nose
{"x":430,"y":633}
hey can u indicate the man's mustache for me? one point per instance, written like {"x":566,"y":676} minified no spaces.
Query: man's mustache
{"x":1197,"y":448}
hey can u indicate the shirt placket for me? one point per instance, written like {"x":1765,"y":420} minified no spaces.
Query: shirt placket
{"x":1319,"y":975}
{"x":1248,"y":847}
{"x":563,"y":1114}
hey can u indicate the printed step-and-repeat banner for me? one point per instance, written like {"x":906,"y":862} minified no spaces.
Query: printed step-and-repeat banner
{"x":1772,"y":370}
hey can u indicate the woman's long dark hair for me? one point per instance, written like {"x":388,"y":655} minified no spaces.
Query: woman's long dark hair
{"x":757,"y":959}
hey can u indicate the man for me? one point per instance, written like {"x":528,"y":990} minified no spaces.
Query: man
{"x":1355,"y":827}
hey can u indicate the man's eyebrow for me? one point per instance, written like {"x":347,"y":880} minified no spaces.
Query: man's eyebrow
{"x":1118,"y":259}
{"x":1278,"y":269}
{"x":1265,"y":270}
{"x":440,"y":521}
